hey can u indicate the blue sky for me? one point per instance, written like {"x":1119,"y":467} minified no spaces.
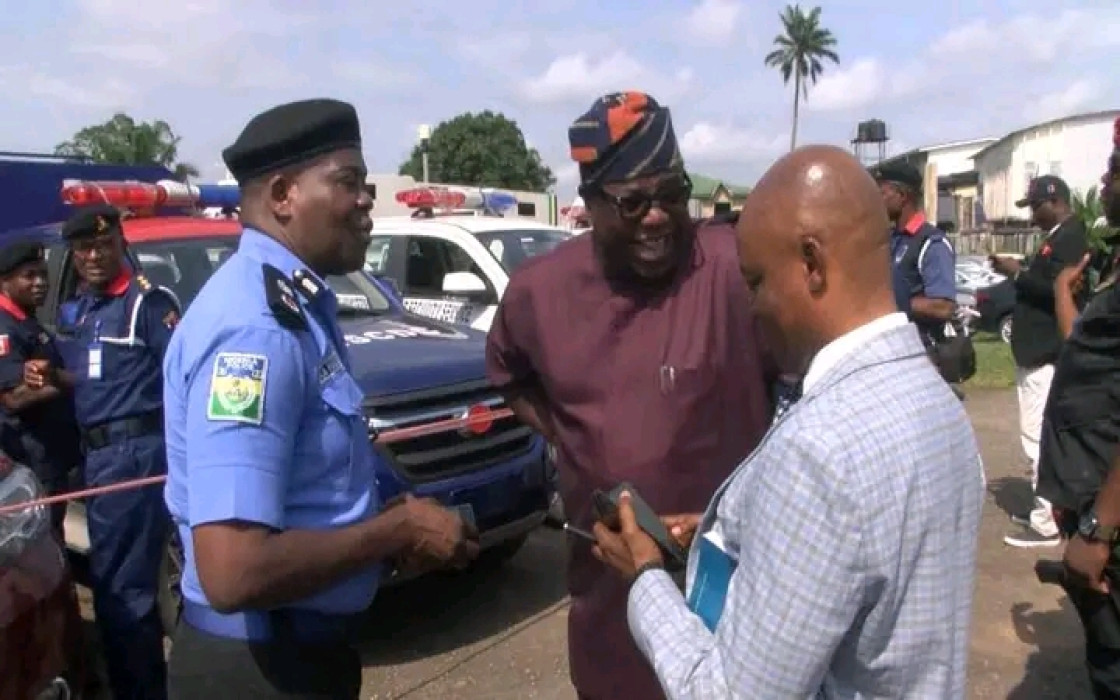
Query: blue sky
{"x":934,"y":72}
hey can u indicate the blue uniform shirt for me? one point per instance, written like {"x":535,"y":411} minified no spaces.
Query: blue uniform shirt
{"x":929,"y":271}
{"x":114,"y":341}
{"x":264,"y":421}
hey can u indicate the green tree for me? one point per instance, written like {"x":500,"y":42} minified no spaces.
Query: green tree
{"x":1089,"y":208}
{"x":124,"y":141}
{"x":481,"y":150}
{"x":800,"y":53}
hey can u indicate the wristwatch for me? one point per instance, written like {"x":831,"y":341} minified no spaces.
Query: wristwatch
{"x":1091,"y":529}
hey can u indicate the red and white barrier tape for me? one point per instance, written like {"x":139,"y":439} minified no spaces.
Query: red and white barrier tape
{"x":395,"y":435}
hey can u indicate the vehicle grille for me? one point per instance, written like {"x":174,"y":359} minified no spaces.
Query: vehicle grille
{"x":447,"y":453}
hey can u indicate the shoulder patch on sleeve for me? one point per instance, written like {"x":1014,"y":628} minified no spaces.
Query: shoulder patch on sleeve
{"x":282,"y":300}
{"x":237,"y":388}
{"x":5,"y":345}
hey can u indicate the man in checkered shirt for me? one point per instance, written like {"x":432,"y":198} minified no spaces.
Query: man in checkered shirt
{"x":854,"y":523}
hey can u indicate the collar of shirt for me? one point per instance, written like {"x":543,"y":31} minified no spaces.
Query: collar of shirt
{"x":831,"y":355}
{"x":6,"y":304}
{"x":266,"y":249}
{"x":116,"y":288}
{"x":914,"y":223}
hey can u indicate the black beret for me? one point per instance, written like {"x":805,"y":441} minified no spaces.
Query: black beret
{"x":292,"y":133}
{"x":901,"y":173}
{"x":19,"y":253}
{"x":90,"y":221}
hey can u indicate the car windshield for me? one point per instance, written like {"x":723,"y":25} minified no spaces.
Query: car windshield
{"x":184,"y":265}
{"x":512,"y":247}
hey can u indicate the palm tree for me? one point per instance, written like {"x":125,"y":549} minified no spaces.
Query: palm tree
{"x":800,"y":52}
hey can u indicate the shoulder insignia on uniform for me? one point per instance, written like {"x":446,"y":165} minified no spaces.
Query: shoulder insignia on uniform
{"x":282,"y":300}
{"x":143,"y":283}
{"x":5,"y":345}
{"x":307,"y":285}
{"x":237,"y":386}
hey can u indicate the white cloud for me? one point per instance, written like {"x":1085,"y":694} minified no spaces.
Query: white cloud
{"x":1060,"y":103}
{"x":714,"y":21}
{"x":578,"y":77}
{"x":865,"y":82}
{"x":724,"y":143}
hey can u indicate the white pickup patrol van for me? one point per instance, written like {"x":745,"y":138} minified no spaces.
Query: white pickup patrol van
{"x":451,"y":260}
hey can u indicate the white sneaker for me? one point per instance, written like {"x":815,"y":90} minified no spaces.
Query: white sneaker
{"x":1029,"y":537}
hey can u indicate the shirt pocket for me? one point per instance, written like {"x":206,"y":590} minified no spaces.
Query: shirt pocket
{"x":676,"y":416}
{"x":344,"y":434}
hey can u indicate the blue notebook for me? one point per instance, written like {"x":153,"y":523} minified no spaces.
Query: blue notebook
{"x":714,"y":567}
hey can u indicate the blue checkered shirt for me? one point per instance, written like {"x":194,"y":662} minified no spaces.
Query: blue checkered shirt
{"x":854,"y":524}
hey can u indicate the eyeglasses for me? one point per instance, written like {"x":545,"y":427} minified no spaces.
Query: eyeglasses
{"x":633,"y":206}
{"x":86,"y":246}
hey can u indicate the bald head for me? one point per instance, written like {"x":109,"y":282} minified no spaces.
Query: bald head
{"x":824,"y":193}
{"x":814,"y":243}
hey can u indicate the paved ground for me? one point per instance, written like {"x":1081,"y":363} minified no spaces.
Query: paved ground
{"x":501,"y":634}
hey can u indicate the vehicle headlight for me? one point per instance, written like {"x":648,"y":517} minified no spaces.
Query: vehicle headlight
{"x":19,"y":528}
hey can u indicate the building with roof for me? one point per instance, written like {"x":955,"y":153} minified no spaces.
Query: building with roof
{"x":1074,"y":148}
{"x":711,"y":196}
{"x":954,"y":200}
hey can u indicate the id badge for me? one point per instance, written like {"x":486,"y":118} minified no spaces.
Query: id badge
{"x":95,"y":361}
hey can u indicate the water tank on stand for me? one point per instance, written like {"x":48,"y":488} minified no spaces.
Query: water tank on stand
{"x":870,"y":143}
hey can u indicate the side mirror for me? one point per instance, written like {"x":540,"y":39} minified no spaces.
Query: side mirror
{"x":464,"y":283}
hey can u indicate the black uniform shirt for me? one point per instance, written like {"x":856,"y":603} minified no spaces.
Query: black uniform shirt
{"x":43,"y":436}
{"x":1081,"y":424}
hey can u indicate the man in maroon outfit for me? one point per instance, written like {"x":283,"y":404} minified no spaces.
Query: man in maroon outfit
{"x":633,"y":350}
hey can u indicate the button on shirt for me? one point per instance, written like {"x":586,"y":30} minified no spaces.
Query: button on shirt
{"x":114,"y":341}
{"x":264,"y":423}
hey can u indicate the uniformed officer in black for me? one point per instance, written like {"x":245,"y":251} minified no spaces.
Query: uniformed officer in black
{"x":39,"y":428}
{"x":1035,"y":339}
{"x":1079,"y":456}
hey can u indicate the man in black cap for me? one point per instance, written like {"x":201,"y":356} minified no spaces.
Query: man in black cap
{"x":271,"y":480}
{"x":113,"y":335}
{"x":39,"y":429}
{"x":649,"y":370}
{"x":1079,"y":454}
{"x":924,"y":261}
{"x":1035,"y":339}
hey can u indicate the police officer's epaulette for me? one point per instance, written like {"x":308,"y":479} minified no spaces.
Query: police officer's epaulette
{"x":282,"y":300}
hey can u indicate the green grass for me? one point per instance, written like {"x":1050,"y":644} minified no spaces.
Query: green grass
{"x":995,"y":368}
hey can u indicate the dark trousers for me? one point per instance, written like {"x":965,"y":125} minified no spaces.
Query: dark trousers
{"x":1100,"y":616}
{"x":128,"y":533}
{"x":209,"y":667}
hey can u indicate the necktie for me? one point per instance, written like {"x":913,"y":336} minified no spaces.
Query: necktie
{"x":788,"y":394}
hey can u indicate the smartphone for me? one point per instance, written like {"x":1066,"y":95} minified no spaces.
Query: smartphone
{"x":606,"y":510}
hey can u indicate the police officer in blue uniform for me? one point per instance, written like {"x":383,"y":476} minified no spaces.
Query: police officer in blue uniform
{"x":271,"y":473}
{"x":38,"y":427}
{"x":925,"y":286}
{"x":116,"y":330}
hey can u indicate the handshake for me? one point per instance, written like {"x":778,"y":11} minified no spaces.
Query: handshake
{"x":433,"y":536}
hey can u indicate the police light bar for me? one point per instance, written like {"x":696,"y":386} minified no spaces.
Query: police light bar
{"x":449,"y":198}
{"x":431,"y":198}
{"x":145,"y":195}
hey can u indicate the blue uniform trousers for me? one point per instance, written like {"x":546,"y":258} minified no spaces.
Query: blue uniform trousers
{"x":128,"y":532}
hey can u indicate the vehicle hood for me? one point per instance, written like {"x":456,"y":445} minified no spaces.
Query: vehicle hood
{"x":404,"y":352}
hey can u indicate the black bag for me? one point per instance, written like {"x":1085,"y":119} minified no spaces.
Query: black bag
{"x":950,"y":348}
{"x":953,"y":354}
